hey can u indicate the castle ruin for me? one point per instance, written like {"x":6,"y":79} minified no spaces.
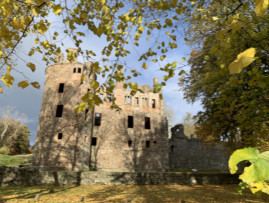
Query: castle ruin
{"x":134,"y":139}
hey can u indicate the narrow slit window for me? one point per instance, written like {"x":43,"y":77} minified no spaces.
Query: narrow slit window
{"x":130,"y":122}
{"x":60,"y":136}
{"x":59,"y":110}
{"x":153,"y":104}
{"x":94,"y":141}
{"x":147,"y":123}
{"x":129,"y":143}
{"x":61,"y":88}
{"x":86,"y":113}
{"x":74,"y":70}
{"x":97,"y":121}
{"x":147,"y":144}
{"x":79,"y":70}
{"x":137,"y":101}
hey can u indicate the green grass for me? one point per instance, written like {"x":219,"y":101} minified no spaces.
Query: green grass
{"x":7,"y":160}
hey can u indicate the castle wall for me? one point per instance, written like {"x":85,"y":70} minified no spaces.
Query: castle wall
{"x":188,"y":153}
{"x":115,"y":145}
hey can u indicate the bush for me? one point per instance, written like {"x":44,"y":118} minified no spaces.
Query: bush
{"x":4,"y":150}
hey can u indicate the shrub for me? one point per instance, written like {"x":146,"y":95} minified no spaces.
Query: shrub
{"x":4,"y":150}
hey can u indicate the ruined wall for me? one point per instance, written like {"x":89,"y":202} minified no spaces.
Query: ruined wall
{"x":123,"y":148}
{"x":64,"y":142}
{"x":188,"y":153}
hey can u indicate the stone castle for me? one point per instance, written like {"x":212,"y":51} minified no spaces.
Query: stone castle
{"x":134,"y":139}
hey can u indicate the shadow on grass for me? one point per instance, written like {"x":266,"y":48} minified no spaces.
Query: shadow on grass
{"x":27,"y":192}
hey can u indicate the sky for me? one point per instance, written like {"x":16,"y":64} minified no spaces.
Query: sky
{"x":28,"y":100}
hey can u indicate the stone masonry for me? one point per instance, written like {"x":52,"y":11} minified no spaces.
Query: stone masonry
{"x":134,"y":139}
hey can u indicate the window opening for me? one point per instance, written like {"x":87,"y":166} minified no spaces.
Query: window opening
{"x":155,"y":142}
{"x":94,"y":141}
{"x":153,"y":104}
{"x":172,"y":148}
{"x":89,"y":90}
{"x":147,"y":123}
{"x":86,"y":113}
{"x":97,"y":121}
{"x":61,"y":88}
{"x":59,"y":110}
{"x":137,"y":101}
{"x":147,"y":144}
{"x":60,"y":136}
{"x":129,"y":143}
{"x":127,"y":100}
{"x":79,"y":70}
{"x":130,"y":121}
{"x":74,"y":70}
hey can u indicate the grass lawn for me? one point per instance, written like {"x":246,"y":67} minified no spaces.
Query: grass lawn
{"x":7,"y":160}
{"x":130,"y":193}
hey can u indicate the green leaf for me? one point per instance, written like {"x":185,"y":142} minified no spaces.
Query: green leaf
{"x":157,"y":88}
{"x":94,"y":84}
{"x":241,"y":155}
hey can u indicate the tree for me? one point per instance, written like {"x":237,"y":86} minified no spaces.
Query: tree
{"x":20,"y":143}
{"x":189,"y":125}
{"x":11,"y":121}
{"x":234,"y":93}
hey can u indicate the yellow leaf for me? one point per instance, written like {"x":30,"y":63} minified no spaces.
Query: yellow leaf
{"x":183,"y":59}
{"x":35,"y":85}
{"x":145,"y":66}
{"x":57,"y":9}
{"x":215,"y":18}
{"x":83,"y":77}
{"x":36,"y":40}
{"x":31,"y":66}
{"x":80,"y":108}
{"x":261,"y":7}
{"x":243,"y":60}
{"x":23,"y":84}
{"x":35,"y":10}
{"x":1,"y":90}
{"x":8,"y":80}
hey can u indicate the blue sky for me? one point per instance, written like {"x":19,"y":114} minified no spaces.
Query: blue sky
{"x":28,"y":100}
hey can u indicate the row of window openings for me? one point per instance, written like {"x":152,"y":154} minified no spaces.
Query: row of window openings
{"x":97,"y":120}
{"x":144,"y":101}
{"x":94,"y":141}
{"x":128,"y":98}
{"x":77,"y":70}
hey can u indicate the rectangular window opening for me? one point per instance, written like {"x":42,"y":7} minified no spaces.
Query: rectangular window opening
{"x":147,"y":123}
{"x":74,"y":70}
{"x":59,"y":110}
{"x":61,"y":88}
{"x":130,"y":122}
{"x":94,"y":141}
{"x":97,"y":121}
{"x":129,"y":143}
{"x":60,"y":136}
{"x":86,"y":113}
{"x":147,"y":144}
{"x":137,"y":101}
{"x":153,"y":104}
{"x":79,"y":70}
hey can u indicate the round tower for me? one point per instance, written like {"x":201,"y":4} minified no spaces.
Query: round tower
{"x":60,"y":128}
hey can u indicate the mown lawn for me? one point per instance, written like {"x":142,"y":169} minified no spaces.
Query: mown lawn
{"x":7,"y":160}
{"x":152,"y":193}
